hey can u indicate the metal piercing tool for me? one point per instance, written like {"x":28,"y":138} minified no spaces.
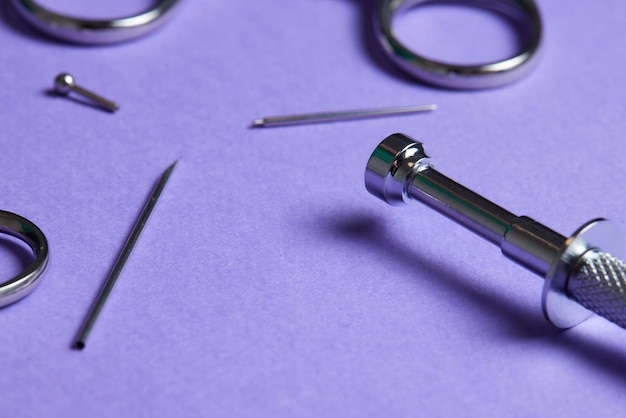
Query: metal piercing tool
{"x":64,"y":83}
{"x":581,"y":272}
{"x":340,"y":115}
{"x":85,"y":330}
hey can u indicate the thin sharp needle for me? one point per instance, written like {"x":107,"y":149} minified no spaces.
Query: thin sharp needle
{"x":91,"y":318}
{"x":341,"y":115}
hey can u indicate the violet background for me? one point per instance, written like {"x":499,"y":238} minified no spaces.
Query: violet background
{"x":268,"y":281}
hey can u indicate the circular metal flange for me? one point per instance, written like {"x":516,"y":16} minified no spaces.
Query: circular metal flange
{"x":558,"y":308}
{"x":390,"y":164}
{"x":94,"y":31}
{"x":458,"y":76}
{"x":25,"y":282}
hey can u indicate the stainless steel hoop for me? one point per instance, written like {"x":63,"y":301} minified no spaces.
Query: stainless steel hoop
{"x":24,"y":283}
{"x":456,"y":76}
{"x":95,"y":31}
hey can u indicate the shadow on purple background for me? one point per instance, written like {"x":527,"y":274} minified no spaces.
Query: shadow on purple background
{"x":367,"y":230}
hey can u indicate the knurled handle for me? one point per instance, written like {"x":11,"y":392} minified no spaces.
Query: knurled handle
{"x":598,"y":282}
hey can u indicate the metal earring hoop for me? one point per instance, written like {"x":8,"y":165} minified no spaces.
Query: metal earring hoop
{"x":94,"y":31}
{"x":469,"y":77}
{"x":25,"y":282}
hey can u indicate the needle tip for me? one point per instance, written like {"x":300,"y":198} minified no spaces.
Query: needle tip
{"x":168,"y":171}
{"x":79,"y":345}
{"x":258,"y":123}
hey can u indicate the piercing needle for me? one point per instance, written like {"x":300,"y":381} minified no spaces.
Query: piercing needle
{"x":91,"y":318}
{"x":341,"y":115}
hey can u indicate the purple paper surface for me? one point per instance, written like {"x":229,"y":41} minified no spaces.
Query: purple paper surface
{"x":268,"y":282}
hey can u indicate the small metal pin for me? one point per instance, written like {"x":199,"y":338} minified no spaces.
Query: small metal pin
{"x":87,"y":326}
{"x":341,"y":115}
{"x":64,"y":83}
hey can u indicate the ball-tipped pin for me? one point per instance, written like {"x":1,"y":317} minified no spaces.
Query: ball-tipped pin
{"x":64,"y":83}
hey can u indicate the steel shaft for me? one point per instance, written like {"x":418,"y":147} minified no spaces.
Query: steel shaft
{"x":399,"y":171}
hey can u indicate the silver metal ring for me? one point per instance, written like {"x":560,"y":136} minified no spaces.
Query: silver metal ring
{"x":25,"y":282}
{"x":93,"y":31}
{"x":455,"y":76}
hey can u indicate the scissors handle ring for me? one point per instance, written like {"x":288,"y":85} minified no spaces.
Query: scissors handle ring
{"x":454,"y":76}
{"x":94,"y":31}
{"x":25,"y":282}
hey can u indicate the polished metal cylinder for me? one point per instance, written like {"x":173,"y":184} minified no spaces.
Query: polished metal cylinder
{"x":401,"y":171}
{"x":580,"y":270}
{"x":460,"y":204}
{"x":521,"y":239}
{"x":532,"y":245}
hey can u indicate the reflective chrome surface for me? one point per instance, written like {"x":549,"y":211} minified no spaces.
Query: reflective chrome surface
{"x":319,"y":117}
{"x":598,"y":283}
{"x":389,"y":166}
{"x":64,"y":83}
{"x":557,"y":306}
{"x":399,"y":171}
{"x":95,"y":31}
{"x":105,"y":291}
{"x":25,"y":282}
{"x":457,"y":76}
